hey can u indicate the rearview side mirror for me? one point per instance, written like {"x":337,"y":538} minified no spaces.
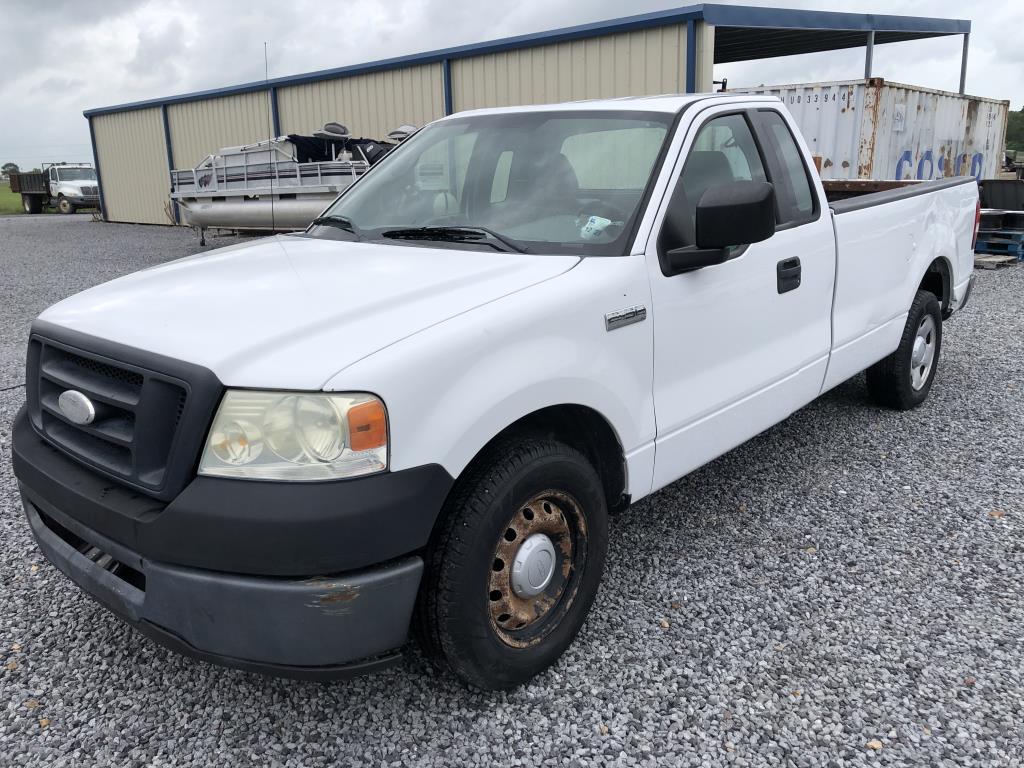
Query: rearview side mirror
{"x":738,"y":213}
{"x":727,"y":215}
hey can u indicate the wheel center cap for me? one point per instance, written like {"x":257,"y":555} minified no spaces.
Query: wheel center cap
{"x":534,"y":566}
{"x":917,"y":356}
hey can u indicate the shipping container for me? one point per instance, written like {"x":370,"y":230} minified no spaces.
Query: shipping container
{"x":871,"y":129}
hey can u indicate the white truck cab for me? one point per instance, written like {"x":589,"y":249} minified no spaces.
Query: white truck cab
{"x":420,"y":411}
{"x":73,"y":186}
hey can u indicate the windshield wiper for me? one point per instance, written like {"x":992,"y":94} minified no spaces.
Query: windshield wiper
{"x":455,"y":235}
{"x":341,"y":222}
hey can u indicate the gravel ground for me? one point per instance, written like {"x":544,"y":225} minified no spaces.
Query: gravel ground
{"x":843,"y":590}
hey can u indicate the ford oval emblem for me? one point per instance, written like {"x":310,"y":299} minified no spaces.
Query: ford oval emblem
{"x":76,"y":407}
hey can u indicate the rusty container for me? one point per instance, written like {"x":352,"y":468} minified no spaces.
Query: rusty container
{"x":873,"y":129}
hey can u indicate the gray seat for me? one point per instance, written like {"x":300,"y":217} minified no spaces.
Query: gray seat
{"x":540,"y":187}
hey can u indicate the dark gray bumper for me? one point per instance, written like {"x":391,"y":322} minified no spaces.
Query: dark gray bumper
{"x":323,"y":627}
{"x":967,"y":294}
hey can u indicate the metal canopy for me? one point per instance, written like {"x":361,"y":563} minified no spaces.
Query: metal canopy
{"x":743,"y":33}
{"x":746,"y":43}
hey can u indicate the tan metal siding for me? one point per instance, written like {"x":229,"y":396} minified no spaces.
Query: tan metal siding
{"x":133,"y":165}
{"x":705,"y":58}
{"x":200,"y":128}
{"x":639,"y":63}
{"x":369,"y":105}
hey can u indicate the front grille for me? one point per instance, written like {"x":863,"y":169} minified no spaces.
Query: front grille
{"x":138,"y":411}
{"x":90,"y":191}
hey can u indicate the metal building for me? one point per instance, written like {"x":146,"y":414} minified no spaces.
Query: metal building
{"x":135,"y":145}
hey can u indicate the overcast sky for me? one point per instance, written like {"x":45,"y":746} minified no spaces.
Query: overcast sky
{"x":63,"y":56}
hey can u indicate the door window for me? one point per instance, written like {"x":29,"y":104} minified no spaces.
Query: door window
{"x":792,"y":186}
{"x":723,"y":152}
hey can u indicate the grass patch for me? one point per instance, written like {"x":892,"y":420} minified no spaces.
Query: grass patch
{"x":10,"y":202}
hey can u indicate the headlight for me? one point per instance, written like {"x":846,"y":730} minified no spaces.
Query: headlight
{"x":296,"y":436}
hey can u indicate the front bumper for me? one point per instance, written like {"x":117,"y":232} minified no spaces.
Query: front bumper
{"x":960,"y":298}
{"x":296,"y":617}
{"x":83,"y":201}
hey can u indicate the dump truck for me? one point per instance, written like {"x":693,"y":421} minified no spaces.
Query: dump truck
{"x":64,"y":186}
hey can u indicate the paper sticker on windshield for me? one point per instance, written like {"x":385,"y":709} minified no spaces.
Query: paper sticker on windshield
{"x":594,"y":227}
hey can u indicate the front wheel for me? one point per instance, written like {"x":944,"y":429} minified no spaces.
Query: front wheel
{"x":64,"y":206}
{"x":515,"y":565}
{"x":903,"y":379}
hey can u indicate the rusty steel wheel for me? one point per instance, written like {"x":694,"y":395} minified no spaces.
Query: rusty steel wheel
{"x":532,"y":582}
{"x":515,"y":563}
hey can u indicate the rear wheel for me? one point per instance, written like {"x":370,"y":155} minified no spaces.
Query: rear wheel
{"x":32,"y":203}
{"x":515,"y":565}
{"x":64,"y":205}
{"x":903,"y":379}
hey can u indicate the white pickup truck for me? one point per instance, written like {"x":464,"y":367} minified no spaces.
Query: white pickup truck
{"x":420,"y":412}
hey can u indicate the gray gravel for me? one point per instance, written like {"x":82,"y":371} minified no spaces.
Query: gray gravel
{"x":851,"y":577}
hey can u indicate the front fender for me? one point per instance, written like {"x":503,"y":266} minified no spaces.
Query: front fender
{"x":454,"y":386}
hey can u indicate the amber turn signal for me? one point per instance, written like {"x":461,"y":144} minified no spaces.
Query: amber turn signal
{"x":367,"y":426}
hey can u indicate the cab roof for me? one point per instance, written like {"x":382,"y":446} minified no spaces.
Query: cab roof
{"x":668,"y":103}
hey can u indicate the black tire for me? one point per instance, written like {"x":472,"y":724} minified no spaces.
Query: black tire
{"x":32,"y":203}
{"x":455,"y":616}
{"x":64,"y":205}
{"x":899,"y":381}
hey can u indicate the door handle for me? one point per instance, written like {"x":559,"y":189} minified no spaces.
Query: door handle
{"x":787,"y":273}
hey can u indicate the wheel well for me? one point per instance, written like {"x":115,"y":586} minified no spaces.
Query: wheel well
{"x":588,"y":432}
{"x":937,"y":280}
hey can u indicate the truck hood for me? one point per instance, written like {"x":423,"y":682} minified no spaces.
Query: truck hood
{"x":290,"y":312}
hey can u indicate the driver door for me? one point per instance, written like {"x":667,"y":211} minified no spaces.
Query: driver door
{"x":734,"y":350}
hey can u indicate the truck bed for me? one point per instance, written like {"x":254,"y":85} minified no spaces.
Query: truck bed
{"x":845,"y":195}
{"x":885,"y":241}
{"x":30,"y":183}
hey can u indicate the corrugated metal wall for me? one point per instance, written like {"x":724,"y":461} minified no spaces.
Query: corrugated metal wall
{"x":132,"y":158}
{"x":637,"y":63}
{"x":369,"y":105}
{"x":132,"y":152}
{"x":199,"y":128}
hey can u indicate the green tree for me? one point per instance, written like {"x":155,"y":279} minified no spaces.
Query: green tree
{"x":1015,"y":130}
{"x":9,"y":168}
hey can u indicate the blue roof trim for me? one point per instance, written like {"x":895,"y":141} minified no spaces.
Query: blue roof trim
{"x":792,"y":18}
{"x":718,"y":15}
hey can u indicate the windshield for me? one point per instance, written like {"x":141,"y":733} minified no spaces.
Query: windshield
{"x":76,"y":174}
{"x":539,"y":182}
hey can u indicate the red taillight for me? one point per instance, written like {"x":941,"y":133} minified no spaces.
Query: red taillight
{"x":977,"y":225}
